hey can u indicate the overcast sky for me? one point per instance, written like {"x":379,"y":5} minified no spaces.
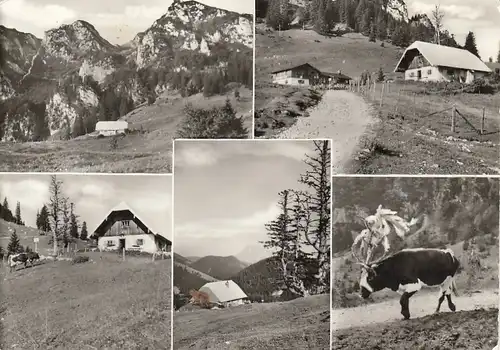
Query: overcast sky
{"x":226,"y":191}
{"x":461,"y":16}
{"x":94,"y":196}
{"x":118,"y":21}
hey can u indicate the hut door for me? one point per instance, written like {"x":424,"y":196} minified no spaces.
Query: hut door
{"x":419,"y":74}
{"x":122,"y":243}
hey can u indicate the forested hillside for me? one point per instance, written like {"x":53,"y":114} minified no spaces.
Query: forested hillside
{"x":449,"y":209}
{"x":384,"y":20}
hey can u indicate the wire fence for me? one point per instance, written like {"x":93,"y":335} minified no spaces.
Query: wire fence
{"x":450,"y":110}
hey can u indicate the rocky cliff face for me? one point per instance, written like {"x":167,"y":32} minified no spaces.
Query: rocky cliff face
{"x":45,"y":85}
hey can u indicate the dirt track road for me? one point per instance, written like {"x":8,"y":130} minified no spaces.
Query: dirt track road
{"x":342,"y":116}
{"x":420,"y":305}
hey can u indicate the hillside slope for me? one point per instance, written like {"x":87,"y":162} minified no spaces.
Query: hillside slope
{"x":299,"y":324}
{"x":220,"y":267}
{"x":26,"y":235}
{"x":186,"y":277}
{"x":260,"y":280}
{"x":63,"y":306}
{"x":293,"y":47}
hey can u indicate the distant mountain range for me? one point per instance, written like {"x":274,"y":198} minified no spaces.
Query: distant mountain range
{"x":258,"y":280}
{"x":74,"y":74}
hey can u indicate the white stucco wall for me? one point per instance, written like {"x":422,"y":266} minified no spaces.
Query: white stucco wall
{"x":148,"y":245}
{"x":440,"y":74}
{"x":291,"y":81}
{"x":111,"y":132}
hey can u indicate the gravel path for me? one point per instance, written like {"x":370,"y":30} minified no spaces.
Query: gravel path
{"x":420,"y":306}
{"x":341,"y":116}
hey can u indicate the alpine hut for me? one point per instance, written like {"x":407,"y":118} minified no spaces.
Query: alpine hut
{"x":122,"y":228}
{"x":424,"y":61}
{"x":227,"y":293}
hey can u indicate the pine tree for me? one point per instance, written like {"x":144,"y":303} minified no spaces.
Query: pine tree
{"x":65,"y":229}
{"x":5,"y":205}
{"x":44,"y":219}
{"x":19,"y":220}
{"x":38,"y":223}
{"x":283,"y":240}
{"x":84,"y":233}
{"x":73,"y":222}
{"x":55,"y":208}
{"x":14,"y":245}
{"x":470,"y":44}
{"x":373,"y":33}
{"x":380,"y":75}
{"x":381,"y":28}
{"x":498,"y":56}
{"x":366,"y":23}
{"x":359,"y":16}
{"x":277,"y":16}
{"x":317,"y":235}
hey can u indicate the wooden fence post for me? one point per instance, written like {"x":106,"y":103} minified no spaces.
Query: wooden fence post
{"x":123,"y":253}
{"x":453,"y":116}
{"x":482,"y":121}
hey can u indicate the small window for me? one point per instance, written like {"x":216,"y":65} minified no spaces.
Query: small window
{"x":139,"y":242}
{"x":125,"y":223}
{"x":429,"y":72}
{"x":412,"y":74}
{"x":110,"y":243}
{"x":301,"y":81}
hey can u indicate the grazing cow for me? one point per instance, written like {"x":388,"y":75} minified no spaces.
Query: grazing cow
{"x":32,"y":256}
{"x":22,"y":258}
{"x":407,"y":271}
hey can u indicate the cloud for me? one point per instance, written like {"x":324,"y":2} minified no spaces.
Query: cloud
{"x":195,"y":155}
{"x":30,"y":193}
{"x":228,"y":227}
{"x":44,"y":16}
{"x":204,"y":153}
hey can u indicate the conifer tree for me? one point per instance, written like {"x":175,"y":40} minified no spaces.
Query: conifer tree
{"x":470,"y":44}
{"x":18,"y":218}
{"x":73,"y":223}
{"x":381,"y":28}
{"x":84,"y":233}
{"x":373,"y":33}
{"x":14,"y":245}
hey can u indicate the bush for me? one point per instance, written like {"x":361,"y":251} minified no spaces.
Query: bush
{"x":217,"y":122}
{"x":80,"y":259}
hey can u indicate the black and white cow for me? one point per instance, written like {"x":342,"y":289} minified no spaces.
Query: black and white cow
{"x":407,"y":271}
{"x":22,"y":259}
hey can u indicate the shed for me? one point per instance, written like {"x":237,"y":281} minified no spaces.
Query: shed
{"x":122,"y":228}
{"x":337,"y":78}
{"x":224,"y":292}
{"x":424,"y":61}
{"x":303,"y":74}
{"x":109,"y":128}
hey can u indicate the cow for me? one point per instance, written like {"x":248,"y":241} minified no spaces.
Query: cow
{"x":22,"y":258}
{"x":408,"y":270}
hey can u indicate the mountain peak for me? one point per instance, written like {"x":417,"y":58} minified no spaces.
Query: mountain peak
{"x":79,"y":38}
